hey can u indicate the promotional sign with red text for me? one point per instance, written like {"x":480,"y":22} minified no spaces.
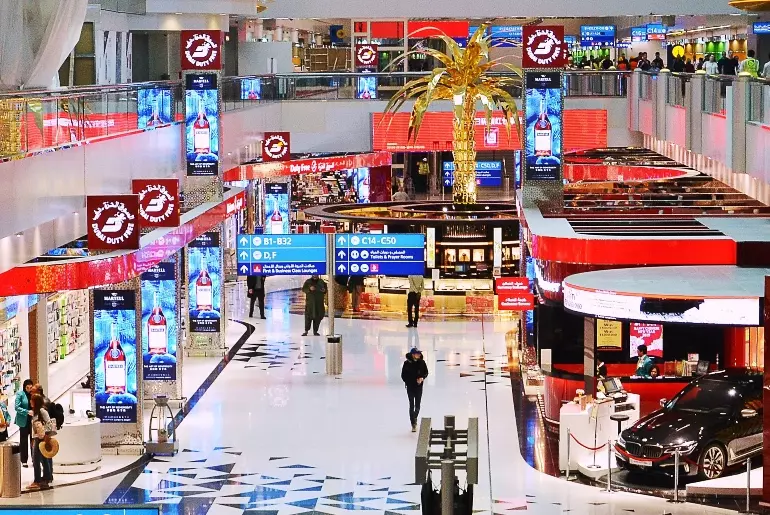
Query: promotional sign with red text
{"x":201,"y":50}
{"x":367,"y":56}
{"x":276,"y":146}
{"x":543,"y":47}
{"x":302,"y":166}
{"x":582,"y":129}
{"x":113,"y":222}
{"x":158,"y":201}
{"x":515,"y":301}
{"x":650,"y":335}
{"x":512,"y":285}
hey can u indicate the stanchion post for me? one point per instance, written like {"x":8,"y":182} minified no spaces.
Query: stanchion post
{"x":569,"y":445}
{"x":748,"y":485}
{"x":609,"y":465}
{"x":676,"y":475}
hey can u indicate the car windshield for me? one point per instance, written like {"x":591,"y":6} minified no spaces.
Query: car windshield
{"x":708,"y":396}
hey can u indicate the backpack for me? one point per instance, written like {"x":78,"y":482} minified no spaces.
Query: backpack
{"x":56,"y":412}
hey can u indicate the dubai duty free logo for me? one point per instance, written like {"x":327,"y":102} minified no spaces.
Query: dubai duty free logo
{"x":201,"y":50}
{"x":544,"y":47}
{"x":276,"y":147}
{"x":156,"y":203}
{"x":113,"y":223}
{"x":366,"y":55}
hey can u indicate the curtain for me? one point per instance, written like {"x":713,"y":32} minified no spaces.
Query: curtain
{"x":36,"y":36}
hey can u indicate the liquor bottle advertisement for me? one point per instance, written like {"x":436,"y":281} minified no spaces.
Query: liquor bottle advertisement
{"x":115,"y":355}
{"x":153,"y":107}
{"x":202,"y":124}
{"x":251,"y":89}
{"x":204,"y":283}
{"x":276,"y":208}
{"x":543,"y":107}
{"x":159,"y":323}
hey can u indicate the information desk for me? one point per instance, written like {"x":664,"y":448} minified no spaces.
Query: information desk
{"x":80,"y":446}
{"x":592,"y":429}
{"x":446,"y":296}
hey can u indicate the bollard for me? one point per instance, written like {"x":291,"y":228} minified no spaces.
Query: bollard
{"x":569,"y":445}
{"x":748,"y":485}
{"x":676,"y":477}
{"x":447,"y":487}
{"x":609,"y":466}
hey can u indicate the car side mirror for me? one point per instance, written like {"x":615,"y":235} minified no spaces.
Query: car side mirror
{"x":748,"y":413}
{"x":663,"y":402}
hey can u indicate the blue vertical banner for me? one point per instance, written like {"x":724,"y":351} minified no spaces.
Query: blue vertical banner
{"x":204,"y":274}
{"x":276,"y":208}
{"x":159,"y":323}
{"x":202,"y":124}
{"x":153,"y":107}
{"x":543,"y":106}
{"x":115,"y":363}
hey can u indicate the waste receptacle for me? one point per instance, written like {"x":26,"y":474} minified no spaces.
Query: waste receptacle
{"x":334,"y":355}
{"x":10,"y":470}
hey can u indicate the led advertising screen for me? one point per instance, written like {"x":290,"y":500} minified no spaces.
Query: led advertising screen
{"x":761,"y":27}
{"x":114,"y":333}
{"x":276,"y":208}
{"x":202,"y":125}
{"x":597,"y":35}
{"x":153,"y":106}
{"x":362,"y":176}
{"x":251,"y":89}
{"x":367,"y":88}
{"x":159,"y":323}
{"x":204,"y":274}
{"x":543,"y":110}
{"x":517,"y":168}
{"x":650,"y":335}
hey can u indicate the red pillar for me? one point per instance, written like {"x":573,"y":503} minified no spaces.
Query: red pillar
{"x":766,"y":401}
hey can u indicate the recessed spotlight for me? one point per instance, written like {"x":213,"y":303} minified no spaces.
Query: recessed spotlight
{"x":18,"y":235}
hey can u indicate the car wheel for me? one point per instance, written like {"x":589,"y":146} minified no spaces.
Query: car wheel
{"x":713,"y":461}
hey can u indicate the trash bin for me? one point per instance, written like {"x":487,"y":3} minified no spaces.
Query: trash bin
{"x":334,"y":355}
{"x":10,"y":470}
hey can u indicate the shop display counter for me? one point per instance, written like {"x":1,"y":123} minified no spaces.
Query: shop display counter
{"x":445,"y":296}
{"x":80,"y":448}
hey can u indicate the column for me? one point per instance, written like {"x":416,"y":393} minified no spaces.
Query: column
{"x":589,"y":355}
{"x":694,"y":105}
{"x":633,"y":99}
{"x":661,"y":94}
{"x":737,"y":105}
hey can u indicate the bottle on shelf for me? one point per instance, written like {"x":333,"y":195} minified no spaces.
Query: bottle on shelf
{"x":157,"y":329}
{"x":202,"y":131}
{"x":203,"y":288}
{"x":115,"y":370}
{"x":543,"y":132}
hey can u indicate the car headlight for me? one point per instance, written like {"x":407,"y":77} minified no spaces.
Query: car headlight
{"x":621,"y":441}
{"x":684,"y":448}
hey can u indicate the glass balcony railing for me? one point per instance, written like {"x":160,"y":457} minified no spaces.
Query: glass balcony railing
{"x":39,"y":120}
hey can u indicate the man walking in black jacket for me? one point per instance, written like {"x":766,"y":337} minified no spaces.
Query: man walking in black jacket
{"x":256,"y":287}
{"x":413,"y":373}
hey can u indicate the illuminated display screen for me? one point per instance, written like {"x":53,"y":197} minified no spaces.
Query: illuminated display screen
{"x":159,"y":323}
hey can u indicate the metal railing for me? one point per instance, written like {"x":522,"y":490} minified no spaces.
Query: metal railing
{"x":759,"y":97}
{"x":647,"y":83}
{"x":37,"y":120}
{"x":714,"y":93}
{"x":677,"y":87}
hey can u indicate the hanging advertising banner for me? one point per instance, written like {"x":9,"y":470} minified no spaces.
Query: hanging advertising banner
{"x":543,"y":47}
{"x":158,"y":202}
{"x":201,"y":50}
{"x":202,"y":124}
{"x":302,"y":166}
{"x":276,"y":208}
{"x":543,"y":126}
{"x":367,"y":57}
{"x":650,"y":335}
{"x":204,"y":273}
{"x":113,"y":222}
{"x":153,"y":107}
{"x":114,"y":334}
{"x":276,"y":146}
{"x":609,"y":334}
{"x":159,"y":323}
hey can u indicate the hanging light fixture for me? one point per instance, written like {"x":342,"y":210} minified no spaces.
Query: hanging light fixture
{"x":750,"y":5}
{"x":261,"y":5}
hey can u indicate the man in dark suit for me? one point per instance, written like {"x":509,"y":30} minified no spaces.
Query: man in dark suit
{"x":256,"y":287}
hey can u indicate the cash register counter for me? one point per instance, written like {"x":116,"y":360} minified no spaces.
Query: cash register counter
{"x":445,"y":296}
{"x":592,"y":427}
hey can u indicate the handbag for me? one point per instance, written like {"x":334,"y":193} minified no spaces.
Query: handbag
{"x":38,"y":430}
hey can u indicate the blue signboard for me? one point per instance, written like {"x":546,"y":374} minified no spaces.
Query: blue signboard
{"x":638,"y":34}
{"x":290,"y":254}
{"x":762,"y":27}
{"x":570,"y":40}
{"x":489,"y":174}
{"x":656,"y":31}
{"x":501,"y":35}
{"x":372,"y":254}
{"x":597,"y":35}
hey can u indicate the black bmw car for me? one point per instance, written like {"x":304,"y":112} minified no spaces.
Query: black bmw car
{"x":715,"y":422}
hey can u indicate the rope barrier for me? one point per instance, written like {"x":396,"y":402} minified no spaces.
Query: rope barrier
{"x":602,"y":446}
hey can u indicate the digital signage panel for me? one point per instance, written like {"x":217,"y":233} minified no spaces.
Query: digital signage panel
{"x":543,"y":126}
{"x":202,"y":124}
{"x":638,"y":34}
{"x":761,"y":27}
{"x":597,"y":35}
{"x":204,"y":274}
{"x":251,"y":89}
{"x":159,"y":323}
{"x":366,"y":88}
{"x":115,"y":363}
{"x":276,"y":208}
{"x":153,"y":107}
{"x":656,"y":32}
{"x":489,"y":174}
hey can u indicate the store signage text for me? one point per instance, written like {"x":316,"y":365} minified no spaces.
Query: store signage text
{"x":276,"y":146}
{"x":112,"y":222}
{"x":543,"y":47}
{"x":158,"y":201}
{"x":201,"y":50}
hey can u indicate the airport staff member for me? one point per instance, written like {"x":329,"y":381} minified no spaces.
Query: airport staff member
{"x":644,"y":364}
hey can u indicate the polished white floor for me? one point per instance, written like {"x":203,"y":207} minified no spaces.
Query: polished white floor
{"x":275,"y":434}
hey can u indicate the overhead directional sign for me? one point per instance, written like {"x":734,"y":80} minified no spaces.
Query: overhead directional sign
{"x":372,"y":254}
{"x":289,"y":254}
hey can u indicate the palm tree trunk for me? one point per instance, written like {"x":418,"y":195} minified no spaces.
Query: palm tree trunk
{"x":464,"y":153}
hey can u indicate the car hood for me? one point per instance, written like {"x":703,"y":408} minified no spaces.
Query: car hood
{"x":665,"y":427}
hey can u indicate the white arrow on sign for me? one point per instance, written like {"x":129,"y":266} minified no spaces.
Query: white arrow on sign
{"x":244,"y":269}
{"x":341,"y":268}
{"x":244,"y":240}
{"x":244,"y":254}
{"x":341,"y":254}
{"x":341,"y":240}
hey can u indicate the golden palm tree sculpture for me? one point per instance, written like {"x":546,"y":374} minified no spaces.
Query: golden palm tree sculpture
{"x":465,"y":80}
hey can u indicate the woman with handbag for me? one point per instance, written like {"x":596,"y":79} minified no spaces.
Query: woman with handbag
{"x":43,"y":428}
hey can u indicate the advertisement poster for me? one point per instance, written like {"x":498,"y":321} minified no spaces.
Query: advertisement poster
{"x":251,"y":89}
{"x":650,"y":335}
{"x":609,"y":334}
{"x":204,"y":282}
{"x":276,"y":208}
{"x":367,"y":88}
{"x":114,"y":356}
{"x":153,"y":106}
{"x":202,"y":124}
{"x":543,"y":106}
{"x":159,"y":323}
